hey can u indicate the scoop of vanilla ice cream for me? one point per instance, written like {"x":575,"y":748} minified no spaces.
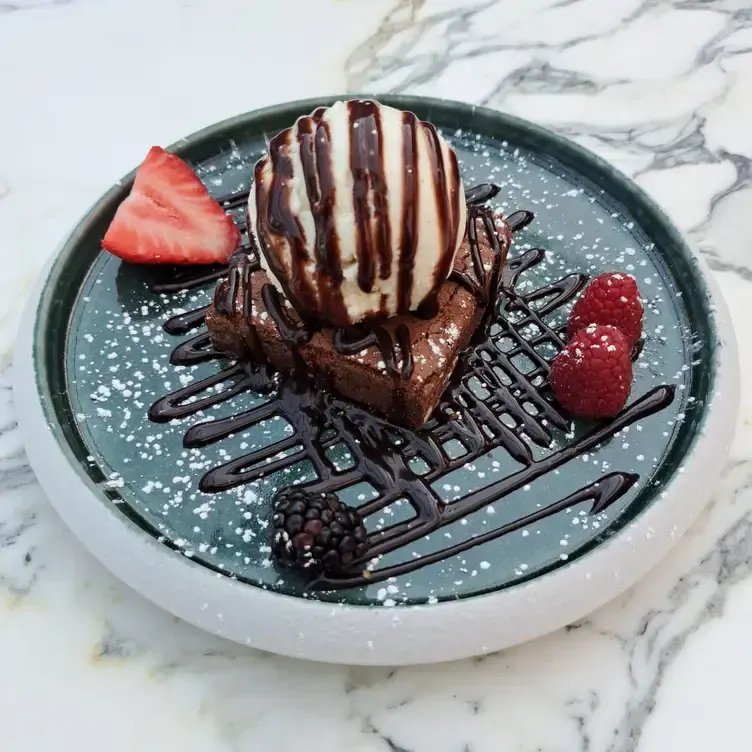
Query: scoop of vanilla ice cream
{"x":358,"y":211}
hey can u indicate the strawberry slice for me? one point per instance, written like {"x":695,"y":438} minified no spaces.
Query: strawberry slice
{"x":170,"y":218}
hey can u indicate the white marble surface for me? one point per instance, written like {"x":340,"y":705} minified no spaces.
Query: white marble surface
{"x":660,"y":89}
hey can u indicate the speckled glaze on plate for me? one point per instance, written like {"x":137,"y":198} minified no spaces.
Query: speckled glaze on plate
{"x":101,"y":358}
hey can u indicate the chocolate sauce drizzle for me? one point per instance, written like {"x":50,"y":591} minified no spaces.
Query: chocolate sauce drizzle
{"x":355,"y":339}
{"x":490,"y":402}
{"x":188,"y":277}
{"x":446,"y":182}
{"x":183,"y":323}
{"x":373,"y":241}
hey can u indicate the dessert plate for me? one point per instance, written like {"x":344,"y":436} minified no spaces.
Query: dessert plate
{"x":543,"y":527}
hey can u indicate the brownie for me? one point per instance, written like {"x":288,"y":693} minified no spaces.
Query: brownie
{"x":364,"y":377}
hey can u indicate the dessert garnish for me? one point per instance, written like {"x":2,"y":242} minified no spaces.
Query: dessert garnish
{"x":592,"y":376}
{"x":378,"y":310}
{"x":170,"y":218}
{"x":612,"y":299}
{"x":316,"y":532}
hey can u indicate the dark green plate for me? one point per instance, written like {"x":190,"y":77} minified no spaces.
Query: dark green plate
{"x":103,"y":354}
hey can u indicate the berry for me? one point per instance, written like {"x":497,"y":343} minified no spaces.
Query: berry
{"x":170,"y":218}
{"x":611,"y":299}
{"x":316,"y":532}
{"x":592,"y":376}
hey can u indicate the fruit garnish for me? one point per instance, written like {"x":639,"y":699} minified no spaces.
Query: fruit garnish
{"x":592,"y":376}
{"x":316,"y":532}
{"x":611,"y":299}
{"x":170,"y":218}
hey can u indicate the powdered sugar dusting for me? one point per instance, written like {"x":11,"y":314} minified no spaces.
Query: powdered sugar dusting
{"x":120,"y":365}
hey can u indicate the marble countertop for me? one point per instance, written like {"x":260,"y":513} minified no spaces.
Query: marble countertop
{"x":659,"y":89}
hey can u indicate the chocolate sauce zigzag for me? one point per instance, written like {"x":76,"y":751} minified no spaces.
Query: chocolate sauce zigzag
{"x":402,"y":534}
{"x":176,"y":279}
{"x":382,"y":453}
{"x":603,"y":493}
{"x":197,"y":349}
{"x":182,"y":323}
{"x":188,"y":278}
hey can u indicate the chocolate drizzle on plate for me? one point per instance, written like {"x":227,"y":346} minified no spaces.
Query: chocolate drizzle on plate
{"x":491,"y":402}
{"x":185,"y":278}
{"x":182,"y":323}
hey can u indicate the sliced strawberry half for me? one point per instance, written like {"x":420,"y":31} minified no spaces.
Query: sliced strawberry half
{"x":170,"y":218}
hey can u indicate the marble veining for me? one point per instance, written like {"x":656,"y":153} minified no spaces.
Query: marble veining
{"x":28,"y":4}
{"x":658,"y":89}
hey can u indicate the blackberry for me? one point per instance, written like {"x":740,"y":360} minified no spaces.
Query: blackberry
{"x":316,"y":532}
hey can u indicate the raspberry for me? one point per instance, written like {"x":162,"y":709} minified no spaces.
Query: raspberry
{"x":611,"y":299}
{"x":592,"y":376}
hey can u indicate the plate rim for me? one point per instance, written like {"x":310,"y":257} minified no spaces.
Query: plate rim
{"x":356,"y":633}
